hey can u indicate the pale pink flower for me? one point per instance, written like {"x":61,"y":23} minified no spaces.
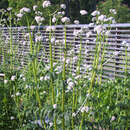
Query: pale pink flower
{"x":46,"y":4}
{"x":63,"y":6}
{"x":83,"y":12}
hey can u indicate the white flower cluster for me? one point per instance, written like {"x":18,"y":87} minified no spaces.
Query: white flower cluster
{"x":70,"y":84}
{"x":77,"y":33}
{"x":35,"y":7}
{"x":113,"y":11}
{"x":83,"y":12}
{"x":46,"y":4}
{"x":76,"y":21}
{"x":50,"y":28}
{"x":5,"y":81}
{"x":32,"y":27}
{"x":38,"y":38}
{"x":39,"y":19}
{"x":53,"y":39}
{"x":65,"y":20}
{"x":102,"y":18}
{"x":58,"y":69}
{"x":47,"y":77}
{"x":25,"y":10}
{"x":99,"y":29}
{"x":85,"y":109}
{"x":95,"y":13}
{"x":113,"y":118}
{"x":126,"y":44}
{"x":9,"y":8}
{"x":38,"y":13}
{"x":88,"y":34}
{"x":54,"y":19}
{"x":19,"y":15}
{"x":12,"y":117}
{"x":54,"y":106}
{"x":18,"y":94}
{"x":41,"y":78}
{"x":63,"y":6}
{"x":91,"y":24}
{"x":13,"y":77}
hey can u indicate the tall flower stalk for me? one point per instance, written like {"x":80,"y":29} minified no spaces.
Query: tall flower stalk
{"x":64,"y":78}
{"x":95,"y":62}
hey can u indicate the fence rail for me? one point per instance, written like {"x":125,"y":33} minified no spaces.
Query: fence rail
{"x":115,"y":54}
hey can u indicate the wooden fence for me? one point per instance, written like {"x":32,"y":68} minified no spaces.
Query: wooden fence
{"x":117,"y":45}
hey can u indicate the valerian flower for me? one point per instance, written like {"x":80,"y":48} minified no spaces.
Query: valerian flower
{"x":95,"y":13}
{"x":83,"y":12}
{"x":102,"y":18}
{"x":51,"y":124}
{"x":98,"y":29}
{"x":35,"y":7}
{"x":116,"y":53}
{"x":76,"y":21}
{"x":124,"y":43}
{"x":19,"y":15}
{"x":76,"y":33}
{"x":70,"y":85}
{"x":5,"y":81}
{"x":113,"y":21}
{"x":91,"y":24}
{"x":9,"y":8}
{"x":58,"y":69}
{"x":63,"y":12}
{"x":113,"y":118}
{"x":53,"y":39}
{"x":46,"y":4}
{"x":63,"y":6}
{"x":50,"y":28}
{"x":32,"y":27}
{"x":54,"y":19}
{"x":113,"y":11}
{"x":24,"y":79}
{"x":13,"y":78}
{"x":18,"y":94}
{"x":38,"y":38}
{"x":110,"y":18}
{"x":23,"y":10}
{"x":73,"y":114}
{"x":39,"y":19}
{"x":65,"y":20}
{"x":54,"y":106}
{"x":85,"y":109}
{"x":12,"y":118}
{"x":88,"y":34}
{"x":47,"y":77}
{"x":41,"y":78}
{"x":59,"y":13}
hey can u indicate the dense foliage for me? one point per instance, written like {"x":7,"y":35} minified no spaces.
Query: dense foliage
{"x":123,"y":12}
{"x":65,"y":93}
{"x":106,"y":107}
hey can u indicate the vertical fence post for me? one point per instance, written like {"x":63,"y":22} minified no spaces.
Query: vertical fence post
{"x":118,"y":54}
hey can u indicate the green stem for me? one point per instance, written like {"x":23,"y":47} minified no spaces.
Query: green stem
{"x":64,"y":77}
{"x":81,"y":123}
{"x":73,"y":106}
{"x":95,"y":66}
